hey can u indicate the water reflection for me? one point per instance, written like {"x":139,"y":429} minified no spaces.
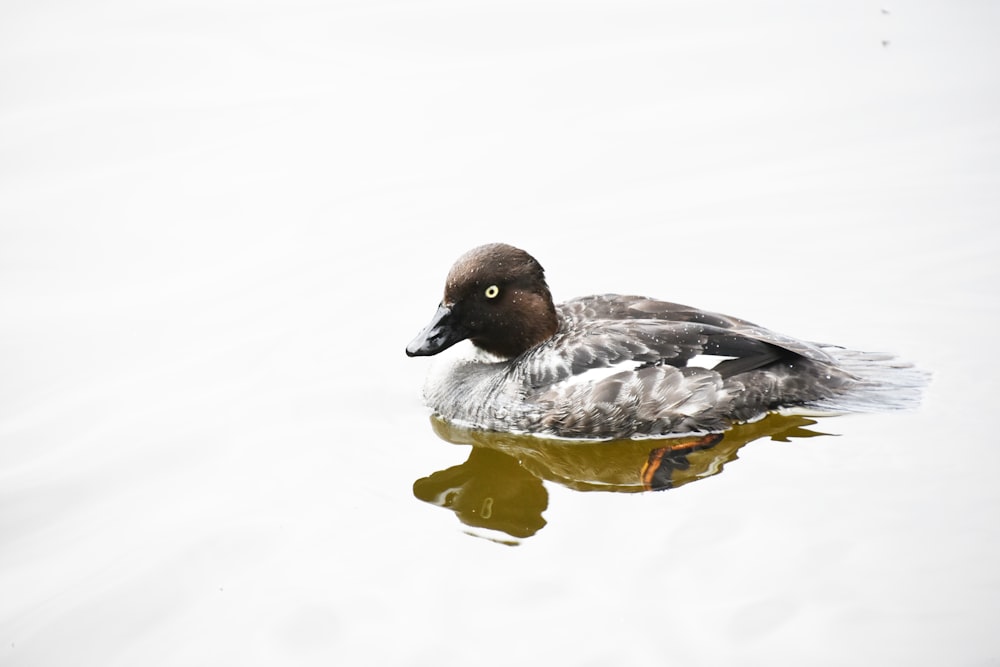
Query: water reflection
{"x":500,"y":486}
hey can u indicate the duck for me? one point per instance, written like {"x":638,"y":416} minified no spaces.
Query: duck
{"x":615,"y":366}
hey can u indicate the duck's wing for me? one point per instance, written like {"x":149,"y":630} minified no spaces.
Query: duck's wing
{"x":622,"y":307}
{"x":621,"y":365}
{"x":607,"y":331}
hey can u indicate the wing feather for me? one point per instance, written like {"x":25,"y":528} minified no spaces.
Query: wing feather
{"x":610,"y":330}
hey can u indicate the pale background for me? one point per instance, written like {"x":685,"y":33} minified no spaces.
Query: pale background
{"x":221,"y":222}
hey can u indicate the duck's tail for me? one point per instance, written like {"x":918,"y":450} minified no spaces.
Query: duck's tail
{"x":880,"y":382}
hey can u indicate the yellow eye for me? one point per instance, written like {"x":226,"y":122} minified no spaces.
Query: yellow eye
{"x":492,"y":291}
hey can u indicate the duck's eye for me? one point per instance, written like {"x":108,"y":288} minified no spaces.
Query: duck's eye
{"x":492,"y":291}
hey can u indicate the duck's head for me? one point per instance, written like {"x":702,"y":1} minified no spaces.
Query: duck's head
{"x":496,"y":296}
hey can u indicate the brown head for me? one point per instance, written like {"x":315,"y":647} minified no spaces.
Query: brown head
{"x":496,"y":296}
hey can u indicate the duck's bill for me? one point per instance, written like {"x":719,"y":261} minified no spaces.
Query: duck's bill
{"x":439,"y":335}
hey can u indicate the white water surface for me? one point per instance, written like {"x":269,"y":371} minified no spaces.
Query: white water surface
{"x":221,"y":222}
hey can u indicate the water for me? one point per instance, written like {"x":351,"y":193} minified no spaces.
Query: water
{"x":221,"y":225}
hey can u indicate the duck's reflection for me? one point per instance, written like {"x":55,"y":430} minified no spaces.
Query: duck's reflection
{"x":499,"y":487}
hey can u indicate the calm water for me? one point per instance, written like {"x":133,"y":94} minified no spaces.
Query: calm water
{"x":220,"y":225}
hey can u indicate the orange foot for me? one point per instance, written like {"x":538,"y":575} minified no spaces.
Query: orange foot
{"x":663,"y":461}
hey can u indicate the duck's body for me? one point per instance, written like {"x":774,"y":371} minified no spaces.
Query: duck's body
{"x":613,"y":366}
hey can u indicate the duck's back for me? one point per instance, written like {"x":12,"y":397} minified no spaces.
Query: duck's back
{"x":629,"y":365}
